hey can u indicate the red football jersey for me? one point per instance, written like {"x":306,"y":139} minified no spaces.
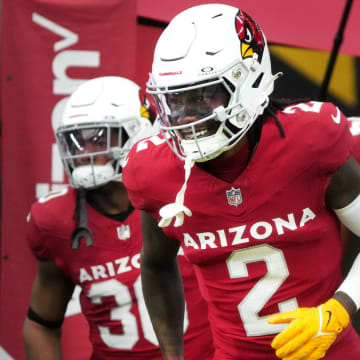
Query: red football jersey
{"x":265,"y":242}
{"x":109,"y":274}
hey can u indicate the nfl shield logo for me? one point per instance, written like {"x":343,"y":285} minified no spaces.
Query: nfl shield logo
{"x":123,"y":232}
{"x":234,"y":196}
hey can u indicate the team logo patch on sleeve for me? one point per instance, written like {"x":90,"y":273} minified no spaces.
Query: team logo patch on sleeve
{"x":234,"y":196}
{"x":123,"y":232}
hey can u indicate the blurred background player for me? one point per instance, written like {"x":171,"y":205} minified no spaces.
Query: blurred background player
{"x":259,"y":205}
{"x":90,"y":235}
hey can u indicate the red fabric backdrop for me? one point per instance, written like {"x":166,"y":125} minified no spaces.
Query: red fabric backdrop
{"x":49,"y":48}
{"x":310,"y":24}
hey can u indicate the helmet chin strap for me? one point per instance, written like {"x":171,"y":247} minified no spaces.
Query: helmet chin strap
{"x":268,"y":87}
{"x":82,"y":230}
{"x":177,"y":209}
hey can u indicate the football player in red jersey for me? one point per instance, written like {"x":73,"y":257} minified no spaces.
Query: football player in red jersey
{"x":90,"y":235}
{"x":254,"y":190}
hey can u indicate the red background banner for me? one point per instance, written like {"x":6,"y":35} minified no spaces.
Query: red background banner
{"x":49,"y":48}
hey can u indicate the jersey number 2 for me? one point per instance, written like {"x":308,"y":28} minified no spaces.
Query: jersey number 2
{"x":263,"y":290}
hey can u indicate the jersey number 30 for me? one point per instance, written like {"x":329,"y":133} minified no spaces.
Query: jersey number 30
{"x":121,"y":312}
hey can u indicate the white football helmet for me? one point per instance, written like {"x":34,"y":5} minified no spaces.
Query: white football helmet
{"x":211,"y":78}
{"x":103,"y":117}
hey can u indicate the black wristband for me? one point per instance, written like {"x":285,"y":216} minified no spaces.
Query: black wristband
{"x":32,"y":315}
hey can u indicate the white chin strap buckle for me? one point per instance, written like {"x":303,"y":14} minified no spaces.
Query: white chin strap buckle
{"x":177,"y":209}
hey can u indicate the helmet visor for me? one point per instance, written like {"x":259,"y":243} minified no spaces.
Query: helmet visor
{"x":84,"y":141}
{"x":75,"y":143}
{"x":195,"y":103}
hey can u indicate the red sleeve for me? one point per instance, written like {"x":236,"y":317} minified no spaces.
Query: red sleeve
{"x":36,"y":239}
{"x":130,"y":179}
{"x":333,"y":139}
{"x":140,"y":170}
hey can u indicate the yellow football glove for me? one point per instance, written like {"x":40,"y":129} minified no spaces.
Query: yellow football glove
{"x":311,"y":332}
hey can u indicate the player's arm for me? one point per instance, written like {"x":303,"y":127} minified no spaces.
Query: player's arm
{"x":162,"y":288}
{"x":351,"y":244}
{"x":343,"y":195}
{"x":50,"y":294}
{"x":315,"y":329}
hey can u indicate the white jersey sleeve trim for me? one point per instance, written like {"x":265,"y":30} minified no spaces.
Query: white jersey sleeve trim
{"x":350,"y":215}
